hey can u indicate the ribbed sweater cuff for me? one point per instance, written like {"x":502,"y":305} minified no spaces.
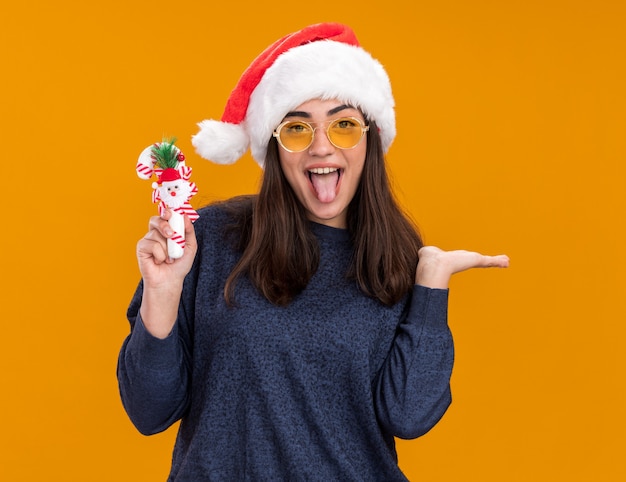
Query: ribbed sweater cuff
{"x":153,"y":352}
{"x":430,"y":305}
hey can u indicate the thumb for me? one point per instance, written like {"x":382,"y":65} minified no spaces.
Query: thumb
{"x":190,"y":235}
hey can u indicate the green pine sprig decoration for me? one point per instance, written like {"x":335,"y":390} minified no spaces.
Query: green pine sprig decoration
{"x":165,"y":154}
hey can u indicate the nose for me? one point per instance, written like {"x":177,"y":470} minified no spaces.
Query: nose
{"x":321,"y":145}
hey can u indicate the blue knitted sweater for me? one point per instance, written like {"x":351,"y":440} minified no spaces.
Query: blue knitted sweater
{"x":316,"y":390}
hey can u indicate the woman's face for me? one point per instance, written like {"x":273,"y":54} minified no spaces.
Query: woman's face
{"x":324,"y":177}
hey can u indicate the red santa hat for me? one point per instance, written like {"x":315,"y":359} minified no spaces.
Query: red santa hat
{"x":168,"y":175}
{"x":322,"y":61}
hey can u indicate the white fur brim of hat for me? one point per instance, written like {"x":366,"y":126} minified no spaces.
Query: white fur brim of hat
{"x":324,"y":69}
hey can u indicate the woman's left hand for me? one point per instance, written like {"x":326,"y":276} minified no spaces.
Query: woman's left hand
{"x":436,"y":267}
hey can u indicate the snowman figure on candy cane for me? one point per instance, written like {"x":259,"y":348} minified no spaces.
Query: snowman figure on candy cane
{"x":172,"y":190}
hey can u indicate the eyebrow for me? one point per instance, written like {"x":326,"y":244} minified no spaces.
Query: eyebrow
{"x":334,"y":110}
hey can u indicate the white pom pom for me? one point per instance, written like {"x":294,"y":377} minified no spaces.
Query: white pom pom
{"x":220,"y":142}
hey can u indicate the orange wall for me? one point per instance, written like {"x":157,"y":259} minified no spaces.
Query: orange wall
{"x":511,"y":138}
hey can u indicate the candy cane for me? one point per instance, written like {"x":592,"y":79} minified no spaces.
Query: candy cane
{"x":176,"y":244}
{"x":184,"y":171}
{"x":186,"y":209}
{"x":145,"y":164}
{"x":160,"y":159}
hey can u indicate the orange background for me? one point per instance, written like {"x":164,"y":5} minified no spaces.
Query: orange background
{"x":511,"y":138}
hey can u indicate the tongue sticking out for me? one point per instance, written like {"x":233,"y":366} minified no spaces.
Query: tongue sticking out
{"x":325,"y":185}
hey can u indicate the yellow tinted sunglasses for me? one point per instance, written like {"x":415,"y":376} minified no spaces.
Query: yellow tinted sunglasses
{"x":343,"y":133}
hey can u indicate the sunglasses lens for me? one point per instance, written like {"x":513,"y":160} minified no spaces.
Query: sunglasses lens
{"x":296,"y":136}
{"x":345,"y":133}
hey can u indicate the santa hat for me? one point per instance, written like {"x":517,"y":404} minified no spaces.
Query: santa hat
{"x":322,"y":61}
{"x":168,"y":175}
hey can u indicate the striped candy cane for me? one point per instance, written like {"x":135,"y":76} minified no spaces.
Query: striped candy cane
{"x":146,"y":167}
{"x":145,"y":164}
{"x":176,"y":244}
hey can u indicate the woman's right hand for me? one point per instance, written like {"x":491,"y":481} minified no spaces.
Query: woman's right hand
{"x":162,"y":276}
{"x":157,"y":268}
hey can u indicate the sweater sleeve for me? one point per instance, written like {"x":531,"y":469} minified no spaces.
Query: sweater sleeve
{"x":153,"y":374}
{"x":412,"y":389}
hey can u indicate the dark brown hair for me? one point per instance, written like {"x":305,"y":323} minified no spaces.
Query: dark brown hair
{"x":280,"y":253}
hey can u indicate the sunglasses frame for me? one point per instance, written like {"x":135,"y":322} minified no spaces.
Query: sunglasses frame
{"x":364,"y":128}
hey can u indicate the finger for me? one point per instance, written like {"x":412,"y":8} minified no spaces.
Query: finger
{"x":499,"y":261}
{"x":161,"y":224}
{"x":190,"y":233}
{"x":151,"y":247}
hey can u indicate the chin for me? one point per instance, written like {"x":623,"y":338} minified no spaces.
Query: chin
{"x":329,"y":217}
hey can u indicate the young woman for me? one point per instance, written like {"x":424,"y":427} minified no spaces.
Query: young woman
{"x":305,"y":327}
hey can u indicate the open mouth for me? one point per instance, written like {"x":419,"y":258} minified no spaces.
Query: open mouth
{"x":325,"y":181}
